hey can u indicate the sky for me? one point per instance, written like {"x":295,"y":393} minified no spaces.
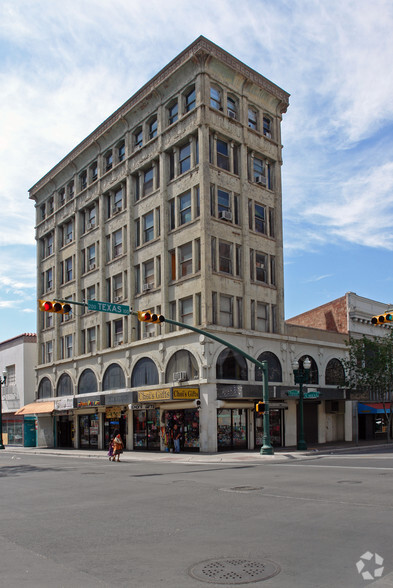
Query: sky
{"x":66,"y":66}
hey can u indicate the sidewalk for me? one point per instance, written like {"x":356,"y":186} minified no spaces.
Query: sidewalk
{"x":280,"y":454}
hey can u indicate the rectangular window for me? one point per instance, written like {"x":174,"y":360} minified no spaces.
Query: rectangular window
{"x":173,"y":113}
{"x":260,"y":267}
{"x":215,"y":98}
{"x":259,"y":171}
{"x":148,"y":227}
{"x":267,"y":127}
{"x":83,"y":180}
{"x":121,"y":151}
{"x":68,"y":269}
{"x":49,"y":279}
{"x":68,"y":346}
{"x":117,"y":243}
{"x":185,"y":208}
{"x":213,"y":254}
{"x":148,"y":275}
{"x":91,"y":340}
{"x":67,"y":231}
{"x":91,"y":257}
{"x":70,"y":190}
{"x":49,"y":244}
{"x":185,"y":259}
{"x":93,"y":171}
{"x":148,"y":181}
{"x":224,"y":205}
{"x":252,"y":119}
{"x":153,"y":128}
{"x":108,"y":161}
{"x":138,"y":138}
{"x":62,"y":197}
{"x":172,"y":214}
{"x":226,"y":311}
{"x":231,"y":108}
{"x":184,"y":158}
{"x":260,"y":222}
{"x":186,"y":311}
{"x":222,"y":155}
{"x":225,"y":257}
{"x":117,"y":284}
{"x":190,"y":100}
{"x":118,"y":332}
{"x":262,"y":322}
{"x":117,"y":201}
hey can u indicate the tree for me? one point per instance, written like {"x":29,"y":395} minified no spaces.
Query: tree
{"x":369,"y":368}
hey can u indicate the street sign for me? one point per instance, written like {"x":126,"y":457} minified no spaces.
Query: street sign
{"x":293,"y":393}
{"x":108,"y":307}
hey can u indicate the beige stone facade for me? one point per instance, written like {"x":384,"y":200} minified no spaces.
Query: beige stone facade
{"x":173,"y":204}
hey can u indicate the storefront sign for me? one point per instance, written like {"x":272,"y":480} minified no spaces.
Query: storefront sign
{"x":154,"y":395}
{"x":311,"y":394}
{"x":141,"y":406}
{"x":113,"y":412}
{"x":293,"y":393}
{"x":88,"y":403}
{"x":185,"y":393}
{"x":65,"y":403}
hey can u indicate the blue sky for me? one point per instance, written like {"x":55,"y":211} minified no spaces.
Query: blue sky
{"x":66,"y":66}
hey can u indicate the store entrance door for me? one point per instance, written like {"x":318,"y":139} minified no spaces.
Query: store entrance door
{"x":147,"y":429}
{"x":232,"y":429}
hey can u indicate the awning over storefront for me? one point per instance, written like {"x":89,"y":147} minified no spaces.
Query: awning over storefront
{"x":46,"y":407}
{"x":372,"y":408}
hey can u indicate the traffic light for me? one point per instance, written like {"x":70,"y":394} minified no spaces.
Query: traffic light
{"x":147,"y":316}
{"x":260,"y":408}
{"x":386,"y":317}
{"x":54,"y":306}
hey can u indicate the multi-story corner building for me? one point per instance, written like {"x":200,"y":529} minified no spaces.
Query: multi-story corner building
{"x":17,"y":360}
{"x":172,"y":204}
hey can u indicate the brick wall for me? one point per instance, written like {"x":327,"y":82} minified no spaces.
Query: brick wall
{"x":328,"y":317}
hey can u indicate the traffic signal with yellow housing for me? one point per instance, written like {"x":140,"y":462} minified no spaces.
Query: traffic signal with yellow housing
{"x":147,"y":316}
{"x":54,"y":306}
{"x":260,"y":408}
{"x":381,"y":319}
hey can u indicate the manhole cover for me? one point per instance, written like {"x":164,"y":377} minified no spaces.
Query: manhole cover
{"x":234,"y":571}
{"x":242,"y":489}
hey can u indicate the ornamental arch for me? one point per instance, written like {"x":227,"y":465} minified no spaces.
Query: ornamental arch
{"x":45,"y":389}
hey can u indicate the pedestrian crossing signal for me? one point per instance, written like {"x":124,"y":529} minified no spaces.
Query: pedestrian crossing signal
{"x":260,"y":408}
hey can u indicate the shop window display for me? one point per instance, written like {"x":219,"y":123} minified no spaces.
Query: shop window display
{"x":275,"y":428}
{"x":147,"y":429}
{"x":187,"y":422}
{"x":88,"y":431}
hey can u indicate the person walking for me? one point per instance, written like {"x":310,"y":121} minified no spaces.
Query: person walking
{"x":117,"y":446}
{"x":110,"y":451}
{"x":176,"y":438}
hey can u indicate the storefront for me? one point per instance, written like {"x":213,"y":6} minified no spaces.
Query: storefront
{"x":146,"y":427}
{"x":232,"y":429}
{"x":64,"y":420}
{"x":88,"y":431}
{"x":276,"y":421}
{"x":115,"y":421}
{"x":372,"y":420}
{"x":12,"y":429}
{"x":155,"y":414}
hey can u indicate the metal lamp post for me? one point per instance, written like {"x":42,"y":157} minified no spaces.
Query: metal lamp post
{"x":301,"y":375}
{"x":2,"y":383}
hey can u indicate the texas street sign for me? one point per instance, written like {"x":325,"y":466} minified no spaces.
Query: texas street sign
{"x":108,"y":307}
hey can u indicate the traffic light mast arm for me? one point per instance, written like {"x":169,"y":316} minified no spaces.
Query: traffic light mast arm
{"x":71,"y":302}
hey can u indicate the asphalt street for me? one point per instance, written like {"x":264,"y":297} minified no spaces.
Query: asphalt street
{"x":305,"y":522}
